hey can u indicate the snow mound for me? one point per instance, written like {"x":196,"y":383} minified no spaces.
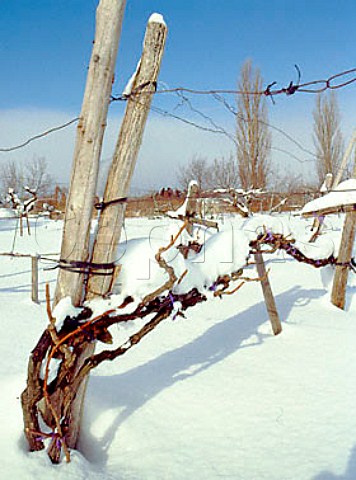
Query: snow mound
{"x":7,"y":213}
{"x":259,"y":224}
{"x":222,"y":253}
{"x":343,"y":194}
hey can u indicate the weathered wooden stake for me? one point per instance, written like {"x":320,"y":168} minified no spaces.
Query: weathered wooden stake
{"x":193,"y":208}
{"x":34,"y":268}
{"x":126,"y":152}
{"x":90,"y":131}
{"x":338,"y":293}
{"x":268,"y":295}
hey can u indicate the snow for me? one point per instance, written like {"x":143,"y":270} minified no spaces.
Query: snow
{"x":343,"y":194}
{"x":8,"y":213}
{"x":323,"y":247}
{"x":327,"y":183}
{"x":128,"y":88}
{"x":259,"y":224}
{"x":52,"y":369}
{"x":223,"y":253}
{"x":181,"y":211}
{"x":156,"y":18}
{"x":212,"y":396}
{"x":63,"y":309}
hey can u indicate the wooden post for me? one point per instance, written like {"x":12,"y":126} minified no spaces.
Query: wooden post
{"x":79,"y":207}
{"x":268,"y":294}
{"x":338,"y":293}
{"x":90,"y":131}
{"x":28,"y":224}
{"x":343,"y":163}
{"x":34,"y":268}
{"x":192,"y":207}
{"x":126,"y":152}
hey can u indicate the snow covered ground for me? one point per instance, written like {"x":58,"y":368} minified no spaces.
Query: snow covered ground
{"x":212,"y":396}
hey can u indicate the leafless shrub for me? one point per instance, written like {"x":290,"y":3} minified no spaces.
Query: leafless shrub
{"x":224,"y":173}
{"x":197,"y":169}
{"x":220,"y":173}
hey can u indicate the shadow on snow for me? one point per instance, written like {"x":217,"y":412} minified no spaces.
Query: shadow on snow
{"x":132,"y":389}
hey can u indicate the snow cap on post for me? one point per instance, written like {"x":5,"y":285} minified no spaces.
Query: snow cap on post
{"x":192,"y":183}
{"x":157,"y":18}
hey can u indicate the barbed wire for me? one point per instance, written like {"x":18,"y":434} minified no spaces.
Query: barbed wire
{"x":268,"y":91}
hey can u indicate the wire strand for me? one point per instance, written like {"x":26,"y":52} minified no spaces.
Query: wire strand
{"x":268,"y":91}
{"x":40,"y":135}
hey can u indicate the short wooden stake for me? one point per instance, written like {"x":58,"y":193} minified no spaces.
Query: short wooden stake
{"x":338,"y":293}
{"x":34,"y":268}
{"x":268,"y":294}
{"x":28,"y":224}
{"x":192,"y":207}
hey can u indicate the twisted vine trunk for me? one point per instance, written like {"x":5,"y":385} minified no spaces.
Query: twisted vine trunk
{"x":75,"y":241}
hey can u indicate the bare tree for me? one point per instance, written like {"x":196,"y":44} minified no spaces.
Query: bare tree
{"x":197,"y":169}
{"x":37,"y":177}
{"x":224,"y":173}
{"x":221,"y":173}
{"x":252,"y":132}
{"x":11,"y":176}
{"x":34,"y":175}
{"x":328,"y":139}
{"x":288,"y":182}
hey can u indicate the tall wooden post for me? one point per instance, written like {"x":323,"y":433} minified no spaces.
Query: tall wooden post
{"x":126,"y":152}
{"x":338,"y":293}
{"x":268,"y":295}
{"x":90,"y":131}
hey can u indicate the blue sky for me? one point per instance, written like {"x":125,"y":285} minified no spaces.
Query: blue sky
{"x":45,"y":49}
